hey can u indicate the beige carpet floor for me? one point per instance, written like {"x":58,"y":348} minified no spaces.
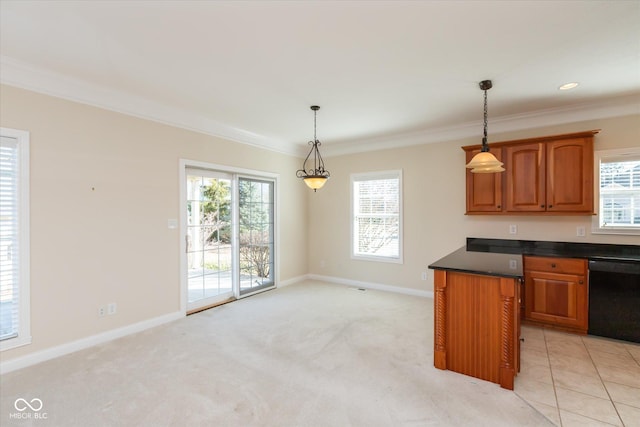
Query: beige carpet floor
{"x":312,"y":354}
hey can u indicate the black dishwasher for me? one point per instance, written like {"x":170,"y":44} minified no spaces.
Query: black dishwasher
{"x":614,"y":299}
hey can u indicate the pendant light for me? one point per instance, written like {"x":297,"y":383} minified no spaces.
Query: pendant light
{"x":484,"y":161}
{"x":314,"y":178}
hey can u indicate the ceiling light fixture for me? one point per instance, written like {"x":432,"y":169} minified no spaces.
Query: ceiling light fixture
{"x":314,"y":178}
{"x":569,"y":86}
{"x":484,"y":161}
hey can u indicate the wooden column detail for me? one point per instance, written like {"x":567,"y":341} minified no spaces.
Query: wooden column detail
{"x":439,"y":324}
{"x":507,"y":369}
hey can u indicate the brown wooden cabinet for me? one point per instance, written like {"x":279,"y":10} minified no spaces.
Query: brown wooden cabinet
{"x":525,"y":177}
{"x":550,"y":175}
{"x":556,"y":292}
{"x":569,"y":175}
{"x":484,"y":190}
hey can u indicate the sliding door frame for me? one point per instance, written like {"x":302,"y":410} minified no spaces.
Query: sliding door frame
{"x":237,"y":173}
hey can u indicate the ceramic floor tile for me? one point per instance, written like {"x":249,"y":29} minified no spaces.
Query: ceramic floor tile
{"x":534,"y":342}
{"x":535,"y":391}
{"x":569,"y":419}
{"x":578,"y":365}
{"x":588,"y":406}
{"x":628,"y":376}
{"x":620,"y":360}
{"x":634,"y":350}
{"x":573,"y":349}
{"x":621,"y":393}
{"x":629,"y":414}
{"x":552,"y":336}
{"x":533,"y":356}
{"x":604,"y":344}
{"x":551,"y":412}
{"x":536,"y":373}
{"x":587,"y":384}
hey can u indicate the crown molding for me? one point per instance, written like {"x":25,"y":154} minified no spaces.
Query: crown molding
{"x":614,"y":107}
{"x":19,"y":74}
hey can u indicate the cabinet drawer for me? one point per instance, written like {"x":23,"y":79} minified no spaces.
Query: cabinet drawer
{"x":556,"y":265}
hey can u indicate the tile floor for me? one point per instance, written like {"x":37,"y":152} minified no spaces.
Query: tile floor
{"x":580,"y":380}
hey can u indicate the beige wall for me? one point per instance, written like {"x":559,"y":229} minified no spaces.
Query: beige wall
{"x":434,"y":206}
{"x":103,"y":186}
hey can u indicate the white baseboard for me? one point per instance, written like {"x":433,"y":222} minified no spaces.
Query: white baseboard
{"x":81,"y":344}
{"x":293,"y":281}
{"x":371,"y":285}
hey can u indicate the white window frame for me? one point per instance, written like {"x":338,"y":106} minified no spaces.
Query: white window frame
{"x":24,"y":327}
{"x":599,"y":157}
{"x":370,"y":176}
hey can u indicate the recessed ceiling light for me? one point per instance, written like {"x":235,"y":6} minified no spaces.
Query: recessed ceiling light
{"x":568,"y":86}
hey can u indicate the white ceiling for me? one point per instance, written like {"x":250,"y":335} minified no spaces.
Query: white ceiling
{"x":384,"y":72}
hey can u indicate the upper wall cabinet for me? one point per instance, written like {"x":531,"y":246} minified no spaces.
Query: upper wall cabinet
{"x":484,"y":190}
{"x":551,"y":175}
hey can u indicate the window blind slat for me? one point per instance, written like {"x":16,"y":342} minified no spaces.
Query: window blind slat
{"x":9,"y":244}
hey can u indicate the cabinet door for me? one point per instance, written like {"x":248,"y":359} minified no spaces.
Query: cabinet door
{"x":484,"y":190}
{"x":525,"y":170}
{"x":570,"y":175}
{"x":556,"y":299}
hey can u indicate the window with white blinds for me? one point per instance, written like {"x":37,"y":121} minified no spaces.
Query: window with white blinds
{"x":14,"y":238}
{"x":376,"y":210}
{"x":619,"y":192}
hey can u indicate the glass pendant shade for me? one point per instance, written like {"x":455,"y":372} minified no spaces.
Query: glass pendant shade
{"x":315,"y":182}
{"x":485,"y":162}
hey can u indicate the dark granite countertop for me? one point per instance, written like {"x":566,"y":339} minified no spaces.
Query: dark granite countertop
{"x":488,"y":264}
{"x":590,"y":251}
{"x":503,"y":258}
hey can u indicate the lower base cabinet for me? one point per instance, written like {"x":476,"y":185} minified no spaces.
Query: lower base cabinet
{"x":477,"y":325}
{"x":556,"y":293}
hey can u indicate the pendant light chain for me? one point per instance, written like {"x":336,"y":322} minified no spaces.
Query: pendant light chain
{"x":484,"y":139}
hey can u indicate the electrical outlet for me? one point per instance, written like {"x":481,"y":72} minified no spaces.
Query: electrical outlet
{"x":513,"y":229}
{"x":513,"y":264}
{"x":112,"y":308}
{"x":580,"y":231}
{"x":423,"y":276}
{"x":102,"y":311}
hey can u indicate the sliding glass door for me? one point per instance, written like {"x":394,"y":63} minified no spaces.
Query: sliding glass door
{"x":256,"y":234}
{"x":209,"y":231}
{"x":229,"y":236}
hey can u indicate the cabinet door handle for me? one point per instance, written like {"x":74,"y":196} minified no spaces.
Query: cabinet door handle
{"x":542,"y":206}
{"x":553,"y":265}
{"x":498,"y":206}
{"x":581,"y":281}
{"x":550,"y":206}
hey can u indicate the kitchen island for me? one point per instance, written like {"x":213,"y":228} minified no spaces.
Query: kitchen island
{"x":477,"y":315}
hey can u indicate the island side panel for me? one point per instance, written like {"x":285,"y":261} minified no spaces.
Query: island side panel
{"x":473,"y":325}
